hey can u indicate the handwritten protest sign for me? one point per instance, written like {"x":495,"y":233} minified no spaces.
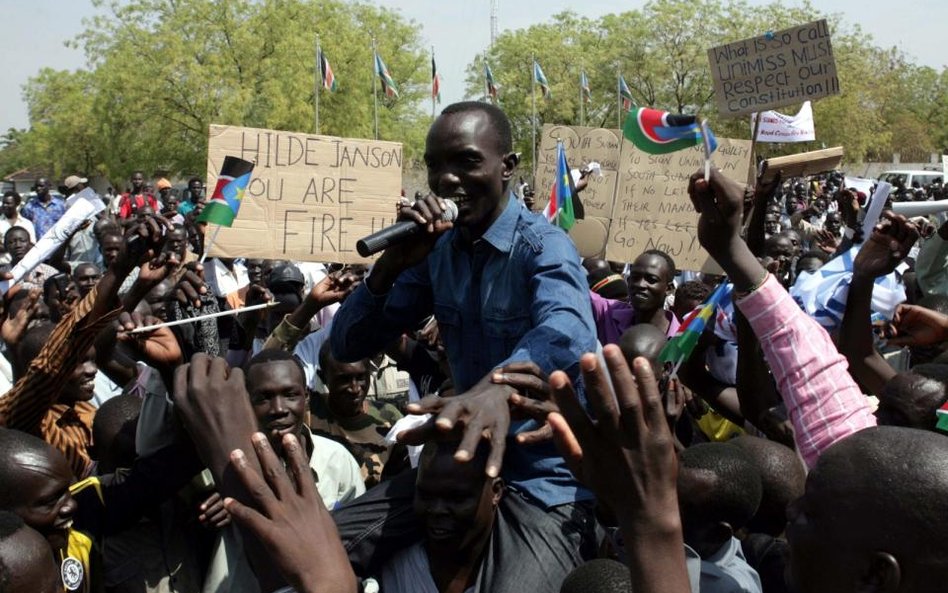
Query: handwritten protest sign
{"x":773,"y":70}
{"x":653,"y":210}
{"x":310,"y":198}
{"x":583,"y":145}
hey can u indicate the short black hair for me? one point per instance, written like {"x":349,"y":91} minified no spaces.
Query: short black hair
{"x":498,"y":119}
{"x":273,"y":355}
{"x":30,"y":347}
{"x":10,"y":524}
{"x":782,"y":480}
{"x":694,"y":290}
{"x":668,"y":259}
{"x":601,"y":575}
{"x":16,"y":197}
{"x":12,"y":443}
{"x":112,"y":415}
{"x":736,"y":489}
{"x":14,"y":229}
{"x":816,"y":254}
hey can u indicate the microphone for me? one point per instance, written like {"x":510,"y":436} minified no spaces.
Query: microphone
{"x":400,"y":231}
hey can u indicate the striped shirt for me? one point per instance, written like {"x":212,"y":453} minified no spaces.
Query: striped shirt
{"x":824,"y":403}
{"x":31,"y":406}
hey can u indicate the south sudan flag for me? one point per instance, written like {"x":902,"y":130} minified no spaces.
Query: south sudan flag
{"x":228,"y":193}
{"x":659,"y":132}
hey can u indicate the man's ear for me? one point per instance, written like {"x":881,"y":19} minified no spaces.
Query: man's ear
{"x":884,"y":575}
{"x":511,"y":160}
{"x":497,"y":489}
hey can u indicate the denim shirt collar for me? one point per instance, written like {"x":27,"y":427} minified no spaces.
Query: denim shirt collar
{"x":501,"y":234}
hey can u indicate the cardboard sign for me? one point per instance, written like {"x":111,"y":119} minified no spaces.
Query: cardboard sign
{"x":583,"y":145}
{"x":310,"y":198}
{"x":781,"y":68}
{"x":653,"y":210}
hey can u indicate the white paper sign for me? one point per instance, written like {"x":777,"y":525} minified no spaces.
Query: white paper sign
{"x":859,"y":184}
{"x":777,"y":127}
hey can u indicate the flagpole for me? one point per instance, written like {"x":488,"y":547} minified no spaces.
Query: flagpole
{"x":582,"y":111}
{"x":533,"y":105}
{"x":618,"y":98}
{"x":318,"y":81}
{"x":209,"y":244}
{"x":375,"y":82}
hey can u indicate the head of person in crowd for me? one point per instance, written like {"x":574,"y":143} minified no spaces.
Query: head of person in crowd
{"x":719,"y":490}
{"x":164,"y":189}
{"x":912,"y":398}
{"x":872,"y":516}
{"x":779,"y":248}
{"x":196,"y":190}
{"x":772,"y":223}
{"x":26,"y":564}
{"x":258,"y":271}
{"x":286,"y":284}
{"x":113,"y":433}
{"x":104,"y":225}
{"x":177,"y":242}
{"x":43,"y":476}
{"x":470,"y":159}
{"x":796,"y":239}
{"x":276,"y":383}
{"x":137,"y":182}
{"x":86,"y":276}
{"x":456,"y":502}
{"x":834,"y":223}
{"x":81,"y":385}
{"x":17,"y":242}
{"x":647,"y":341}
{"x":347,"y":383}
{"x":60,"y":293}
{"x":811,"y":261}
{"x":782,"y":481}
{"x":602,"y":575}
{"x":603,"y":281}
{"x":171,"y":201}
{"x":651,"y":280}
{"x":11,"y":201}
{"x":688,"y":296}
{"x":112,"y":244}
{"x":924,"y":354}
{"x":42,"y":188}
{"x":75,"y":184}
{"x":157,"y":299}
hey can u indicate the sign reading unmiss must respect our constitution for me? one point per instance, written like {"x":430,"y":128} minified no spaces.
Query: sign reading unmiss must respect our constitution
{"x":773,"y":70}
{"x":310,"y":197}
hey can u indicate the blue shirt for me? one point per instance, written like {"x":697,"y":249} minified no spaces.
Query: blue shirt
{"x":517,"y":294}
{"x":43,"y":216}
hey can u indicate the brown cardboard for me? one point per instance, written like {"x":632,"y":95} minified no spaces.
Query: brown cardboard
{"x":782,"y":68}
{"x":653,"y":210}
{"x":310,"y":197}
{"x":583,"y":145}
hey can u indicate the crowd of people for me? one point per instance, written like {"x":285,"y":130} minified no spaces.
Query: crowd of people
{"x":481,"y":409}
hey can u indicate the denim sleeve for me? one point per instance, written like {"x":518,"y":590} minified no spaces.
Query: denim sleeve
{"x":367,"y":323}
{"x":561,"y":314}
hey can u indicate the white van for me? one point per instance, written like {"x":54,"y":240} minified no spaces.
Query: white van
{"x":909,"y":178}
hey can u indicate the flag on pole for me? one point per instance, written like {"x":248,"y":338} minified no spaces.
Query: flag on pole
{"x":559,"y":210}
{"x":234,"y":178}
{"x":491,"y":85}
{"x":540,"y":78}
{"x":329,"y":79}
{"x":435,"y":81}
{"x":680,"y":347}
{"x":388,"y":85}
{"x":626,"y":93}
{"x":584,"y":86}
{"x":659,"y":132}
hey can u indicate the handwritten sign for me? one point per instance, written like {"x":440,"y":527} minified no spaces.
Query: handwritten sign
{"x":310,"y":198}
{"x":583,"y":145}
{"x":653,"y":210}
{"x":773,"y":70}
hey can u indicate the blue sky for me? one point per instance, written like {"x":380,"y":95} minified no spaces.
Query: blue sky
{"x":457,"y":28}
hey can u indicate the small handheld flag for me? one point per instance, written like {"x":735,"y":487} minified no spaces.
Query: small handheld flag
{"x":659,"y":132}
{"x":560,"y":208}
{"x":234,"y":178}
{"x":540,"y":79}
{"x":329,"y":79}
{"x":435,"y":81}
{"x":626,"y":93}
{"x":388,"y":84}
{"x":680,"y":347}
{"x":491,"y":85}
{"x":584,"y":86}
{"x":942,"y":415}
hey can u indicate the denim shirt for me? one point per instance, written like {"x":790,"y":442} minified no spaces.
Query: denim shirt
{"x":517,"y":294}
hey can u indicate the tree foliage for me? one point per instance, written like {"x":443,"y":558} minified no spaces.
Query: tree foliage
{"x":887,"y":103}
{"x":161,"y":71}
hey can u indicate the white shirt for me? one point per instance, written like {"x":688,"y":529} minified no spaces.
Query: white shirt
{"x":20,"y":222}
{"x":221,"y":280}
